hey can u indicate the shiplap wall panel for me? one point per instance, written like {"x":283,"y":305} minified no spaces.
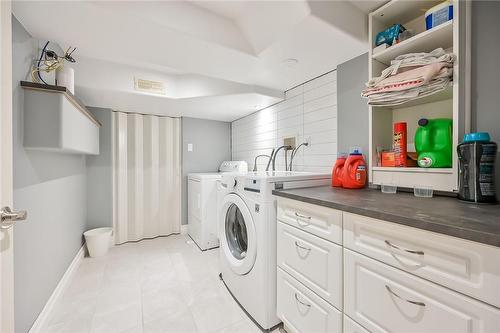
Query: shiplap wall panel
{"x":308,"y":113}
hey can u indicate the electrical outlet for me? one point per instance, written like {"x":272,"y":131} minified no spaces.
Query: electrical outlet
{"x":289,"y":142}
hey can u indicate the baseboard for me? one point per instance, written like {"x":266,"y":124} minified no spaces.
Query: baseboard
{"x":61,"y":286}
{"x":184,"y":229}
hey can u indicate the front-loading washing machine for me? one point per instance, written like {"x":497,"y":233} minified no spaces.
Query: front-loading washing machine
{"x":247,"y":232}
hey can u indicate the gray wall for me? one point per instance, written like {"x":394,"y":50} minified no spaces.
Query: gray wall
{"x":52,"y":187}
{"x":352,"y":109}
{"x":99,"y":176}
{"x":486,"y":72}
{"x":211,"y":145}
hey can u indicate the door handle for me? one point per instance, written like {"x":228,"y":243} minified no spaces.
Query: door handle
{"x":9,"y":217}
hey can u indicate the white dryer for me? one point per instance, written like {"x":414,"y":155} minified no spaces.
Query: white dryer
{"x":247,"y":226}
{"x":202,"y":203}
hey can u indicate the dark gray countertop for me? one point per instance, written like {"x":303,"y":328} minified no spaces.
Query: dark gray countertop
{"x":444,"y":215}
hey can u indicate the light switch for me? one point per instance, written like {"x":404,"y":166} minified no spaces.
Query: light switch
{"x":190,"y":147}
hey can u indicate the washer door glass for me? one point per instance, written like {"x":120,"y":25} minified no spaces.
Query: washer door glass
{"x":238,"y":239}
{"x":236,"y":232}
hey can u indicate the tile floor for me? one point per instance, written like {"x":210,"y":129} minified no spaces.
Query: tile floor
{"x":164,"y":285}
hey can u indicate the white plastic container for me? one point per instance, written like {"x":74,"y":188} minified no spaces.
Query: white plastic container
{"x":98,"y":241}
{"x":389,"y":188}
{"x":423,"y":191}
{"x":439,"y":14}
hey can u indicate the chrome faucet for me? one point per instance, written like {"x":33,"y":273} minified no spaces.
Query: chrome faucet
{"x":294,"y":151}
{"x":255,"y":160}
{"x":276,"y":153}
{"x":270,"y":159}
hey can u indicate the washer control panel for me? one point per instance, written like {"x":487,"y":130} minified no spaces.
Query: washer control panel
{"x":234,"y":166}
{"x":252,"y":185}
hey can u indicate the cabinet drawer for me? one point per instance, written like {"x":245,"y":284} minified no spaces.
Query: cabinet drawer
{"x":385,"y":299}
{"x":320,"y":221}
{"x":302,"y":311}
{"x":313,"y":261}
{"x":350,"y":326}
{"x":469,"y":267}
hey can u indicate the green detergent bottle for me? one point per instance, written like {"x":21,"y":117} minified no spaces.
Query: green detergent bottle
{"x":433,"y":142}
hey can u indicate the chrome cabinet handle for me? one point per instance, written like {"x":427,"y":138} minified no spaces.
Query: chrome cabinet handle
{"x":301,"y":302}
{"x":405,"y":250}
{"x":302,"y":216}
{"x":404,"y":299}
{"x":302,"y":223}
{"x":302,"y":247}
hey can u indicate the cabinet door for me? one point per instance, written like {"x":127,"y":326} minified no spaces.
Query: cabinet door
{"x":320,"y":221}
{"x":302,"y":311}
{"x":385,"y":299}
{"x":350,"y":326}
{"x":465,"y":266}
{"x":313,"y":261}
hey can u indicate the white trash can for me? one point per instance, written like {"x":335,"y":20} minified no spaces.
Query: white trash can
{"x":98,"y":241}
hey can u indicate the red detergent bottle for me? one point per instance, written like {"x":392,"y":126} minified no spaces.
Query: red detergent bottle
{"x":338,"y":169}
{"x":354,"y":171}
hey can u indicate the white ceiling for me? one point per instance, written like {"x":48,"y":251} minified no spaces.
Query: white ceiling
{"x":233,"y":52}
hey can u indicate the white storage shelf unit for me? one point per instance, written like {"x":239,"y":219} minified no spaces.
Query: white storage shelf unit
{"x":54,"y":120}
{"x":451,"y":103}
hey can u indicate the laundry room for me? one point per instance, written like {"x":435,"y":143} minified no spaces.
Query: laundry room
{"x":236,"y":166}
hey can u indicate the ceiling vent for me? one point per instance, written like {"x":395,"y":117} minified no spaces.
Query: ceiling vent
{"x":149,"y":86}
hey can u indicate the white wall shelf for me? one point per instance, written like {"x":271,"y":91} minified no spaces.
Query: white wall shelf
{"x":440,"y":36}
{"x":55,"y":120}
{"x":402,"y":11}
{"x":414,"y":170}
{"x":452,"y":103}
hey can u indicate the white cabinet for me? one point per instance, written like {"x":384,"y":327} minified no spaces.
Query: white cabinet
{"x":384,"y":299}
{"x":302,"y":311}
{"x":54,"y":120}
{"x":383,"y":276}
{"x":320,"y":221}
{"x":313,"y":261}
{"x":350,"y":326}
{"x":469,"y":267}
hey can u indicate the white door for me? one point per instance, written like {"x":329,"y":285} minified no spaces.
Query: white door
{"x":6,"y":247}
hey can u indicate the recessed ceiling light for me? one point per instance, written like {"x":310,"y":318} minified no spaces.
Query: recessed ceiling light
{"x":290,"y":62}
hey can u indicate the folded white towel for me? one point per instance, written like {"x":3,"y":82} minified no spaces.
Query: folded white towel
{"x":413,"y":78}
{"x":409,"y":61}
{"x":395,"y":98}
